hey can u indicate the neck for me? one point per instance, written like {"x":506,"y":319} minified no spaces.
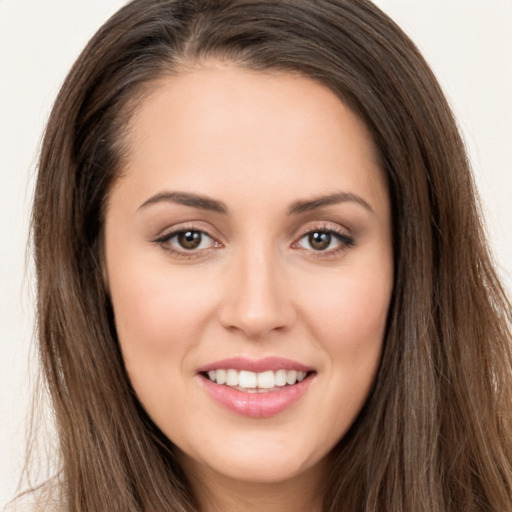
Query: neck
{"x":218,"y":493}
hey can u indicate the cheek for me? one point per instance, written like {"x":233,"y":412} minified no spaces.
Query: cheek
{"x":349,"y":314}
{"x":160,"y":321}
{"x":159,"y":315}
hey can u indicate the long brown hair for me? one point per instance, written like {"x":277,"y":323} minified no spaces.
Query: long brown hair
{"x":435,"y":434}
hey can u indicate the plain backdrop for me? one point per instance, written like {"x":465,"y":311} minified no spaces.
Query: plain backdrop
{"x":467,"y":42}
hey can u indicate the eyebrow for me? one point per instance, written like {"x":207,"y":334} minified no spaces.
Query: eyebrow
{"x":187,"y":199}
{"x":341,"y":197}
{"x":297,"y":207}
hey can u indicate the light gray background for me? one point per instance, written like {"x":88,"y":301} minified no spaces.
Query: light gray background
{"x":467,"y":42}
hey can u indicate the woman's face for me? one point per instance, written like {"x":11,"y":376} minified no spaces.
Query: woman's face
{"x":250,"y":267}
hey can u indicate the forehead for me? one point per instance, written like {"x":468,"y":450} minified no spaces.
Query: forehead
{"x":218,"y":125}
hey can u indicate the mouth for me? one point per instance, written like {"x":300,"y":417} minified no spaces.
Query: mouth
{"x":256,"y":388}
{"x":256,"y":382}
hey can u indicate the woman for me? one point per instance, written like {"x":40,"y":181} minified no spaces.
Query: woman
{"x":262,"y":278}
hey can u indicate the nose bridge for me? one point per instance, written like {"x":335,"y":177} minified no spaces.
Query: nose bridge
{"x":257,"y":299}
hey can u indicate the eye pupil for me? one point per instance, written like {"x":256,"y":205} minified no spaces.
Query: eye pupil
{"x":189,"y":239}
{"x":319,"y":240}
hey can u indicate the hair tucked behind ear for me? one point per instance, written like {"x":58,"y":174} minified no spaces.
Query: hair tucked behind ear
{"x":435,"y":433}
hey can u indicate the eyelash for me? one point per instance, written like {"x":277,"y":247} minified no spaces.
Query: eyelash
{"x":344,"y":242}
{"x":165,"y":242}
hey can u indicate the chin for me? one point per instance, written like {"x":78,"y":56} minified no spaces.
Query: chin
{"x":257,"y":460}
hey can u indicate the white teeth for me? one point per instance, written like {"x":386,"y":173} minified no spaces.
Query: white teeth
{"x":247,"y":379}
{"x":220,"y":376}
{"x":252,"y":381}
{"x":266,"y":380}
{"x":281,"y":378}
{"x":232,"y":378}
{"x":291,"y":377}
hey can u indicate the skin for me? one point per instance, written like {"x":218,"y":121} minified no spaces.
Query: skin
{"x":256,"y":286}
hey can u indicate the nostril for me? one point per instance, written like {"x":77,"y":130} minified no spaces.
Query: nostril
{"x":256,"y":321}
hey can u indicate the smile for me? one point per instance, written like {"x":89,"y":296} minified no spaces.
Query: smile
{"x":256,"y":388}
{"x":252,"y":382}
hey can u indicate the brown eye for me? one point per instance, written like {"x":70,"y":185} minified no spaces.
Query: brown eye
{"x":325,"y":241}
{"x":189,"y":240}
{"x":319,"y":240}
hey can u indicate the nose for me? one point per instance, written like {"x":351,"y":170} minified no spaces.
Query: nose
{"x":257,"y":297}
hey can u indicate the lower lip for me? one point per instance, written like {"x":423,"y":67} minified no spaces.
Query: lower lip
{"x":257,"y":405}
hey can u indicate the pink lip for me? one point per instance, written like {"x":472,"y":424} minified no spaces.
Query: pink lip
{"x":256,"y":365}
{"x":256,"y":405}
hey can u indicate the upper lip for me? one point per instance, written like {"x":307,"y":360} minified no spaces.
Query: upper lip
{"x":256,"y":365}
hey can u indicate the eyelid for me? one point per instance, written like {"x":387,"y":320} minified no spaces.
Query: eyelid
{"x":169,"y":233}
{"x":192,"y":225}
{"x":346,"y":240}
{"x":327,"y":226}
